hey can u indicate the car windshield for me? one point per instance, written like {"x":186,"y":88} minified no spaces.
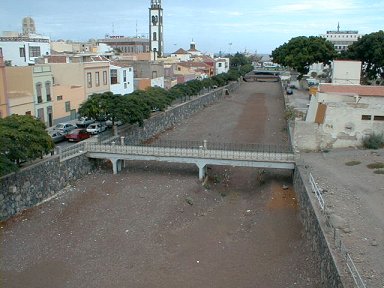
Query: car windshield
{"x":59,"y":126}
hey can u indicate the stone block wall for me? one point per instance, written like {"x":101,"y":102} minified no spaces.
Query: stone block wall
{"x":314,"y":229}
{"x":33,"y":184}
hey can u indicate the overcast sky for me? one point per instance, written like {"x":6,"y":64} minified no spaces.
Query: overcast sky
{"x":214,"y":25}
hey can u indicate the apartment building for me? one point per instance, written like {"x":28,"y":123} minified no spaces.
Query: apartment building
{"x":74,"y":83}
{"x":341,"y":39}
{"x":32,"y":95}
{"x":122,"y":79}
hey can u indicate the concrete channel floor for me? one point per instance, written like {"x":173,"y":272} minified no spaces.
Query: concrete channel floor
{"x":155,"y":225}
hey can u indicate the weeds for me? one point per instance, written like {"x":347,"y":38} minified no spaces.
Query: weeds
{"x":352,"y":163}
{"x":374,"y":141}
{"x":377,"y":165}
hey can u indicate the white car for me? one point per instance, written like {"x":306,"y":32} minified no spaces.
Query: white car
{"x":64,"y":128}
{"x":84,"y":122}
{"x":117,"y":123}
{"x":96,"y":128}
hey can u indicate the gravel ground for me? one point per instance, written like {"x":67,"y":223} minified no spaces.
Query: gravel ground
{"x":155,"y":225}
{"x":354,"y":198}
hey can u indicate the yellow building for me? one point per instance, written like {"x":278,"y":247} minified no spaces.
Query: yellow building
{"x":74,"y":83}
{"x":29,"y":91}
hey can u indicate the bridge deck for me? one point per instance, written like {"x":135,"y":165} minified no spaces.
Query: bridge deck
{"x":267,"y":157}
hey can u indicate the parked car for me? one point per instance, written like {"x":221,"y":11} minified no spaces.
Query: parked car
{"x":83,"y":122}
{"x":64,"y":128}
{"x":78,"y":135}
{"x":109,"y":123}
{"x":56,"y":136}
{"x":96,"y":128}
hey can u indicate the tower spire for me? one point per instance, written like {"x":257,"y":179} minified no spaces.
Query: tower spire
{"x":156,"y":29}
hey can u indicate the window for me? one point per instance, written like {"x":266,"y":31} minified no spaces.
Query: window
{"x":40,"y":114}
{"x":220,"y":64}
{"x":154,"y":74}
{"x":113,"y":76}
{"x":89,"y":80}
{"x":67,"y":106}
{"x":38,"y":93}
{"x":378,"y":118}
{"x":154,"y":36}
{"x":125,"y":85}
{"x":48,"y":90}
{"x":22,"y":52}
{"x":124,"y":76}
{"x":34,"y":51}
{"x":105,"y":81}
{"x":97,"y":80}
{"x":366,"y":117}
{"x":28,"y":113}
{"x":59,"y":98}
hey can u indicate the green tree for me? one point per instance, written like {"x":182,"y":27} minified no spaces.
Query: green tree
{"x":369,"y":49}
{"x":22,"y":138}
{"x":239,"y":60}
{"x":301,"y":52}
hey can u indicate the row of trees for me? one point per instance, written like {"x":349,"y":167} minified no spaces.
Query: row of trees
{"x":24,"y":138}
{"x":301,"y":52}
{"x":137,"y":106}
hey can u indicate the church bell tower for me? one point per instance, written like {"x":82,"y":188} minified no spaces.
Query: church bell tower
{"x":156,"y":29}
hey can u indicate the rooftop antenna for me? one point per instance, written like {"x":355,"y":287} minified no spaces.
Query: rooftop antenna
{"x":338,"y":26}
{"x":136,"y":28}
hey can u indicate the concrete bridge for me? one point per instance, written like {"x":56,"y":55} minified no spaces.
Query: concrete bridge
{"x":193,"y":152}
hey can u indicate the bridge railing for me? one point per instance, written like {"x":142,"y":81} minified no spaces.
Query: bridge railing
{"x":249,"y":147}
{"x":198,"y":149}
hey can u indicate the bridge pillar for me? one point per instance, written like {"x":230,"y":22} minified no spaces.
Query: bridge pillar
{"x":116,"y":165}
{"x":202,"y":170}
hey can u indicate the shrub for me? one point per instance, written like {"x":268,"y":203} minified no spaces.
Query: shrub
{"x":376,"y":165}
{"x":352,"y":163}
{"x":374,"y":141}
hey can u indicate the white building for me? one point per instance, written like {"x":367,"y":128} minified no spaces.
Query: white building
{"x":181,"y":55}
{"x":121,"y":79}
{"x":341,"y":116}
{"x":221,"y":65}
{"x":342,"y":39}
{"x":346,"y":72}
{"x":21,"y":50}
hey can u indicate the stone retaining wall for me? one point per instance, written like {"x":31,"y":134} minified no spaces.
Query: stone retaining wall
{"x":36,"y":183}
{"x":31,"y":185}
{"x":322,"y":251}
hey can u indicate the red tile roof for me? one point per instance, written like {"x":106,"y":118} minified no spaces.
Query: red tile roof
{"x":361,"y":90}
{"x":180,"y":51}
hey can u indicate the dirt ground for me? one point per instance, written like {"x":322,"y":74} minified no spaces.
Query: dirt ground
{"x":354,"y":198}
{"x":155,"y":225}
